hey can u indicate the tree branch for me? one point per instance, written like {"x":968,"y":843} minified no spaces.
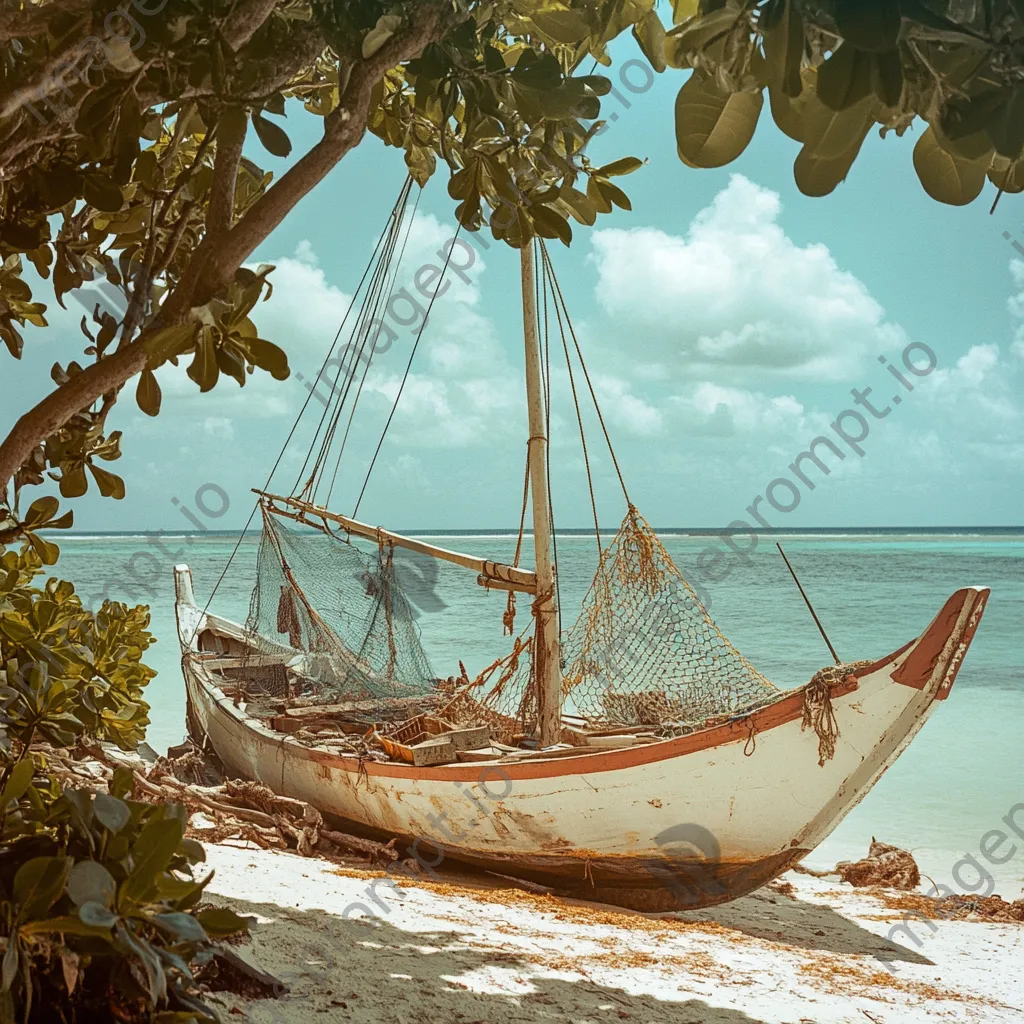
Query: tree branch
{"x":31,"y":21}
{"x":231,"y":130}
{"x":248,"y":18}
{"x":211,"y":271}
{"x":343,"y":129}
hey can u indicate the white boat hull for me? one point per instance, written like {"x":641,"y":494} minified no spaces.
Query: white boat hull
{"x":689,"y":821}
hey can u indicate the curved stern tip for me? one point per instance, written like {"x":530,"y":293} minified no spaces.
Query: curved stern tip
{"x":935,"y":659}
{"x":183,"y":592}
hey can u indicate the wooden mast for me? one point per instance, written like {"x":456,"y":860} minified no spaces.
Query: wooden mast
{"x":546,"y":654}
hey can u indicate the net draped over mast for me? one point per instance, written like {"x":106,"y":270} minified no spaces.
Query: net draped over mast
{"x":343,"y":613}
{"x":643,"y":652}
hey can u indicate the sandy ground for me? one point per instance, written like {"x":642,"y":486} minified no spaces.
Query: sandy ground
{"x":802,"y":951}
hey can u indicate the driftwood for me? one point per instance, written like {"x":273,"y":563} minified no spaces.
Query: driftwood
{"x":233,"y":808}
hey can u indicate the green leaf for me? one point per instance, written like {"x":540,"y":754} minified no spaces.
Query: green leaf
{"x":110,"y":484}
{"x":9,"y":967}
{"x":1009,"y":178}
{"x":203,"y":368}
{"x":784,"y":49}
{"x":887,"y":77}
{"x":714,"y":127}
{"x":818,"y":176}
{"x":151,"y":853}
{"x":967,"y":147}
{"x":147,"y":394}
{"x":168,"y":343}
{"x":221,"y":921}
{"x":549,"y":224}
{"x":193,"y":850}
{"x":614,"y":194}
{"x":829,"y":133}
{"x":111,"y":813}
{"x":102,"y":193}
{"x":47,"y":552}
{"x":787,"y":113}
{"x":41,"y":511}
{"x":267,"y":356}
{"x":683,"y":9}
{"x":567,"y":27}
{"x":38,"y":883}
{"x":946,"y":177}
{"x":73,"y":481}
{"x":1006,"y":125}
{"x":65,"y":522}
{"x":122,"y":783}
{"x":17,"y":782}
{"x":626,"y":165}
{"x":650,"y":36}
{"x":845,"y":78}
{"x":64,"y":925}
{"x":869,"y":24}
{"x":274,"y":138}
{"x":96,"y":915}
{"x":182,"y":926}
{"x":581,"y":207}
{"x":90,"y":882}
{"x":59,"y":185}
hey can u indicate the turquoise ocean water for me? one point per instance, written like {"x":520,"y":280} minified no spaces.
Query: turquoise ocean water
{"x":872,"y":590}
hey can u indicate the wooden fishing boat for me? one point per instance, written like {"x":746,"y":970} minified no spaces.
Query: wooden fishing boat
{"x":636,"y":758}
{"x":692,"y":820}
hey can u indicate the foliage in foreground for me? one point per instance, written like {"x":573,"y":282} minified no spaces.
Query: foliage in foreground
{"x":98,"y":898}
{"x":98,"y":893}
{"x":67,"y":671}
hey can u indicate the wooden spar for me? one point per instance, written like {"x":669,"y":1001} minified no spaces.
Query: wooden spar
{"x":498,"y":573}
{"x":546,"y":655}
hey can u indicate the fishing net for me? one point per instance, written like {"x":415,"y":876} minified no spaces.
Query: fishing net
{"x":342,"y":611}
{"x":643,"y":652}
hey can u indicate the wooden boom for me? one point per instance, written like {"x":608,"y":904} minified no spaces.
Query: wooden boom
{"x":496,"y":574}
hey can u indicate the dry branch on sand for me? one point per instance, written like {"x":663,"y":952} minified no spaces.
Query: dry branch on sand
{"x":225,"y":808}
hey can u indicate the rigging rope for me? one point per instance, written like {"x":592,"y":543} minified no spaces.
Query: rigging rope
{"x":373,"y":352}
{"x":408,"y":368}
{"x":378,"y":289}
{"x":548,"y":278}
{"x":372,"y":264}
{"x":586,"y":374}
{"x":294,"y":427}
{"x":541,"y":299}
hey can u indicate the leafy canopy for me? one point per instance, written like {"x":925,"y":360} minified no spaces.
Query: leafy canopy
{"x":835,"y":68}
{"x":131,"y":147}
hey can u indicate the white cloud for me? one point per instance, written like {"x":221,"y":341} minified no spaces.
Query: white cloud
{"x":736,"y":292}
{"x":632,"y":414}
{"x":304,"y":253}
{"x":219,"y":426}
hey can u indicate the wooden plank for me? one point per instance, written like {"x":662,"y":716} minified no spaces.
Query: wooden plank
{"x":496,"y":571}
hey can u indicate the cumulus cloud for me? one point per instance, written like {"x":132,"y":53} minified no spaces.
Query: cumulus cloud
{"x":736,"y":292}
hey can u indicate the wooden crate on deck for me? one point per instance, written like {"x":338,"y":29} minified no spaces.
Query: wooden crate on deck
{"x":427,"y":740}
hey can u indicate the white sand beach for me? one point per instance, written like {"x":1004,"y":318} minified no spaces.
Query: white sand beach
{"x":801,"y":951}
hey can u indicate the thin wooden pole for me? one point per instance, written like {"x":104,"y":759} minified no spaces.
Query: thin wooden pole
{"x":496,"y":572}
{"x":807,"y":601}
{"x":546,"y":658}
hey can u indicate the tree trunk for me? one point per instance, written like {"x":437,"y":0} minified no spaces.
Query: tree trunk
{"x":213,"y":267}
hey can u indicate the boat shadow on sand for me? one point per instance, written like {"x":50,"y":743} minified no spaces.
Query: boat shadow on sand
{"x":374,"y":970}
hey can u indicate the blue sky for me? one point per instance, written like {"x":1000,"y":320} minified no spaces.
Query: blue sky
{"x":725,"y":320}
